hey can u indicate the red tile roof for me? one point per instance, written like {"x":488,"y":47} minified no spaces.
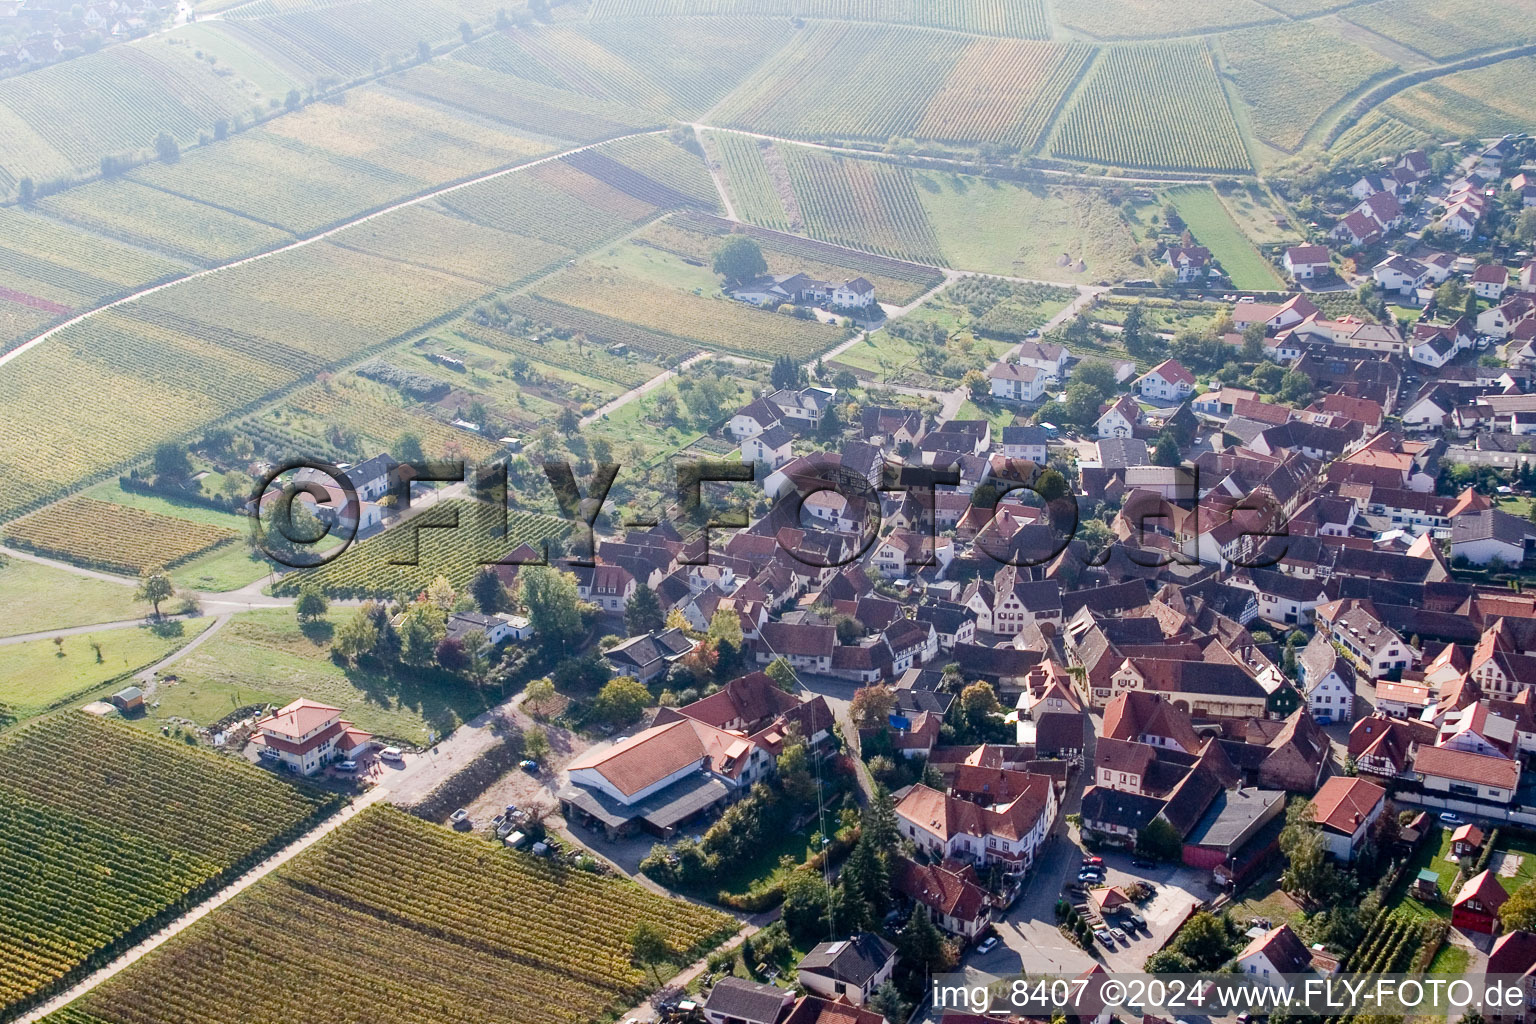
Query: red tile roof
{"x":1343,"y":803}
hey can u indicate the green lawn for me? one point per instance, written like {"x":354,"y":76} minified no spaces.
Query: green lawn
{"x":1408,"y":313}
{"x":264,"y":657}
{"x":39,"y":674}
{"x":36,"y":597}
{"x":1431,"y":855}
{"x":1451,"y":959}
{"x":1264,"y":898}
{"x":1000,"y":416}
{"x":762,"y":870}
{"x":1525,"y":869}
{"x":1004,"y":228}
{"x":1213,"y":227}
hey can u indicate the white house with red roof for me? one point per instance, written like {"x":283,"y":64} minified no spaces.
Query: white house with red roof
{"x":1189,"y":262}
{"x":307,"y":736}
{"x":1167,"y":381}
{"x":1344,"y":809}
{"x":1119,"y":419}
{"x":1489,"y":281}
{"x":1356,"y":229}
{"x":1305,"y":262}
{"x":988,"y":816}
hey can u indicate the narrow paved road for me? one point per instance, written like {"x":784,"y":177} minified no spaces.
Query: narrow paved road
{"x":146,"y":678}
{"x":642,"y":389}
{"x":202,"y":910}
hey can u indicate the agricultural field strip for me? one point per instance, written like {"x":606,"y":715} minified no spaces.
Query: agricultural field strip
{"x":203,"y":909}
{"x":311,"y":239}
{"x":960,"y":166}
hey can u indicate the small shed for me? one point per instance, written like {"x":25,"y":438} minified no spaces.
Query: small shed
{"x":1427,"y":885}
{"x":129,"y":700}
{"x":1467,"y":841}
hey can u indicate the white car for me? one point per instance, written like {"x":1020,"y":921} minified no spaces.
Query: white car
{"x":987,"y":946}
{"x":1119,"y":933}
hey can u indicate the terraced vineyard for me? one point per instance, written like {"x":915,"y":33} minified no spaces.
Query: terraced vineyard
{"x":104,"y":830}
{"x":841,"y":80}
{"x":435,"y":925}
{"x":1150,"y":19}
{"x":1375,"y":134}
{"x":51,"y":270}
{"x":1445,"y":29}
{"x":754,"y":193}
{"x":1156,"y":106}
{"x":1003,"y":91}
{"x":1290,"y":75}
{"x":521,"y":104}
{"x":866,"y":204}
{"x":382,"y":565}
{"x":680,"y":67}
{"x":695,"y":237}
{"x":1483,"y":102}
{"x":114,"y":537}
{"x":1026,"y":18}
{"x":717,"y":324}
{"x":151,"y":219}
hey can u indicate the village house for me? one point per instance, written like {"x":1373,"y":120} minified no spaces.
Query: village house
{"x":1050,"y":359}
{"x":1476,"y":907}
{"x":987,"y":817}
{"x":650,"y":654}
{"x":851,"y":968}
{"x":1017,"y":382}
{"x":950,"y":890}
{"x":1345,"y":809}
{"x":1167,"y":381}
{"x":1119,"y":418}
{"x":1457,"y":773}
{"x":1306,"y":262}
{"x":306,"y":736}
{"x":1490,"y":281}
{"x":1328,"y":680}
{"x":1491,"y":536}
{"x":1190,"y":263}
{"x":739,"y":1001}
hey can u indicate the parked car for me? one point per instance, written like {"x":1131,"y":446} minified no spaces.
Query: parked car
{"x":1119,"y":933}
{"x":393,"y":754}
{"x":1093,"y":862}
{"x":346,"y":766}
{"x":529,"y":765}
{"x":1102,"y":934}
{"x":1136,"y":919}
{"x":1142,"y":862}
{"x":1447,"y":818}
{"x":987,"y":946}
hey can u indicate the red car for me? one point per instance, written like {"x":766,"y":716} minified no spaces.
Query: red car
{"x":1097,"y":862}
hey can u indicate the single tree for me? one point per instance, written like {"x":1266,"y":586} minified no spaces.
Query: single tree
{"x":642,"y":612}
{"x":154,"y":587}
{"x":887,"y":1002}
{"x":872,"y":706}
{"x":539,"y":697}
{"x":356,"y":637}
{"x":450,"y":654}
{"x":1519,"y":911}
{"x":536,"y":743}
{"x":466,"y":32}
{"x":1166,"y":453}
{"x":782,"y":673}
{"x":487,"y":590}
{"x":554,"y":610}
{"x":407,"y":448}
{"x":311,"y":602}
{"x":739,"y":258}
{"x":648,"y":944}
{"x":171,"y":464}
{"x":421,"y":630}
{"x":166,"y":148}
{"x":568,"y":422}
{"x":621,"y":700}
{"x":26,"y":191}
